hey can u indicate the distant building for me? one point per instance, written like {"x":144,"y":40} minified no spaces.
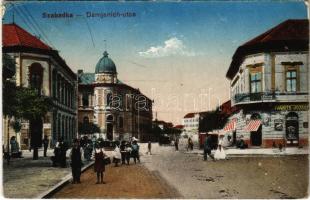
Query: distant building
{"x":191,"y":122}
{"x":41,"y":67}
{"x":120,"y":110}
{"x":269,"y":85}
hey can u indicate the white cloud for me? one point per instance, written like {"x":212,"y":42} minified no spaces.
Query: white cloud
{"x":172,"y":46}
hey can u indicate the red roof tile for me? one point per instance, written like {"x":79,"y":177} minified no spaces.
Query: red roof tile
{"x":14,"y":35}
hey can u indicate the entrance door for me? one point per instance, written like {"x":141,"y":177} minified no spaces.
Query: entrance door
{"x":110,"y":131}
{"x":256,"y":137}
{"x":291,"y":129}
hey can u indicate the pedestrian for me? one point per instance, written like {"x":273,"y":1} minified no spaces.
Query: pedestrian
{"x":15,"y":152}
{"x":176,"y":144}
{"x":116,"y":156}
{"x":220,"y":153}
{"x":128,"y":153}
{"x":99,"y":165}
{"x":207,"y":148}
{"x":76,"y":161}
{"x":45,"y":142}
{"x":135,"y":151}
{"x":149,"y":148}
{"x":63,"y":151}
{"x":123,"y":151}
{"x":190,"y":144}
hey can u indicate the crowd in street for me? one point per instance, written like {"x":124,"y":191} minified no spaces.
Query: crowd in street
{"x":95,"y":148}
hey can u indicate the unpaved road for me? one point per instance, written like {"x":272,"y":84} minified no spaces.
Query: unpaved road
{"x":133,"y":181}
{"x":243,"y":177}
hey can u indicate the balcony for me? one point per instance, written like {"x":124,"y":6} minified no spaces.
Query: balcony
{"x":261,"y":97}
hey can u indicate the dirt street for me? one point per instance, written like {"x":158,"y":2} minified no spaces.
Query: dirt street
{"x":243,"y":177}
{"x":133,"y":181}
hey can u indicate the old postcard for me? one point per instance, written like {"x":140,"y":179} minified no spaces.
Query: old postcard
{"x":155,"y":99}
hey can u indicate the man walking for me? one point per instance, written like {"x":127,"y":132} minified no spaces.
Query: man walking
{"x":207,"y":148}
{"x":149,"y":148}
{"x":45,"y":144}
{"x":76,"y":162}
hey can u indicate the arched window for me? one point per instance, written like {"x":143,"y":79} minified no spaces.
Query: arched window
{"x":36,"y":77}
{"x":110,"y":118}
{"x":109,"y":99}
{"x":85,"y":119}
{"x":255,"y":116}
{"x":85,"y":99}
{"x":54,"y":84}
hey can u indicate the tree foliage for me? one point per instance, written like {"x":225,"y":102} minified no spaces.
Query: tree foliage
{"x":88,"y":128}
{"x":212,"y":120}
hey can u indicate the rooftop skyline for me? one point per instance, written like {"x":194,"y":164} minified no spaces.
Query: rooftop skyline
{"x":176,"y":53}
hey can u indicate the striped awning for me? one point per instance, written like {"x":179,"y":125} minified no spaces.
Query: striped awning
{"x":253,"y":125}
{"x":230,"y":126}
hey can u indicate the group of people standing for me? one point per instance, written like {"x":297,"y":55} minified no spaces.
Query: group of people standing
{"x":121,"y":154}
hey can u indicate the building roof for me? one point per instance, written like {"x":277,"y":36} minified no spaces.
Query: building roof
{"x":189,"y":115}
{"x":105,"y":65}
{"x":179,"y":126}
{"x":17,"y":39}
{"x":14,"y":35}
{"x":290,"y":35}
{"x":89,"y":78}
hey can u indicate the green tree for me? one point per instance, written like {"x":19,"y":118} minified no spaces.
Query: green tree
{"x":88,"y":128}
{"x":212,"y":120}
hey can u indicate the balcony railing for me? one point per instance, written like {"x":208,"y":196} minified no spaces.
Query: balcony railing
{"x":263,"y":96}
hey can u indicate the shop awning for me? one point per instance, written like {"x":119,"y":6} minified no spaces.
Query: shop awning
{"x":230,"y":126}
{"x":253,"y":125}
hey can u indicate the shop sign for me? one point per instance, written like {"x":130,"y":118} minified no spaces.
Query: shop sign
{"x":278,"y":124}
{"x":292,"y":107}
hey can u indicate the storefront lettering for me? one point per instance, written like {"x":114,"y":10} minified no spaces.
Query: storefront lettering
{"x":301,"y":107}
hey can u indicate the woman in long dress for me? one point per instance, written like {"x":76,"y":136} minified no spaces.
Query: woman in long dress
{"x":220,"y":152}
{"x":99,"y":165}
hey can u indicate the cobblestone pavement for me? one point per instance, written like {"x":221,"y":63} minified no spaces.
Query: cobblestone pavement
{"x":133,"y":181}
{"x":27,"y":178}
{"x":240,"y":177}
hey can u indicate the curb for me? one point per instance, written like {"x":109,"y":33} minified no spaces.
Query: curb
{"x":61,"y":184}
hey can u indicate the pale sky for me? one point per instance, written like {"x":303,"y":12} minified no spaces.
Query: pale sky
{"x":176,"y":53}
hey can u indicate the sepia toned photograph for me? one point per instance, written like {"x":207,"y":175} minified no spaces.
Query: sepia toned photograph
{"x":155,"y":99}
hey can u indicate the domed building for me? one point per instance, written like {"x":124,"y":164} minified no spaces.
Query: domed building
{"x":119,"y":110}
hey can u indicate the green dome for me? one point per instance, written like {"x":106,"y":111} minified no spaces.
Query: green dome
{"x":105,"y":65}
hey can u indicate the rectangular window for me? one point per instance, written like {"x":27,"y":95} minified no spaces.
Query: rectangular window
{"x":291,"y":81}
{"x":256,"y":82}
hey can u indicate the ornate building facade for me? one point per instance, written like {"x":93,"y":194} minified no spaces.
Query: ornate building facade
{"x":40,"y":66}
{"x":119,"y":110}
{"x":269,"y":86}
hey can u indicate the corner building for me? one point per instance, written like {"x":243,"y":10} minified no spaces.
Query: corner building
{"x":120,"y":110}
{"x":269,"y":86}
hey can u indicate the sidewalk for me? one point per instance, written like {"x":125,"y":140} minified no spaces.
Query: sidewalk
{"x":233,"y":152}
{"x":27,"y":178}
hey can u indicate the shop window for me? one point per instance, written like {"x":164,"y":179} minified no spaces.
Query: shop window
{"x":291,"y":81}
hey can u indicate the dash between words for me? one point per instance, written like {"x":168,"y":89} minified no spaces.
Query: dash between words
{"x":88,"y":14}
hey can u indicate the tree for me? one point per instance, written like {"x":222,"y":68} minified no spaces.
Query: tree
{"x":88,"y":128}
{"x":23,"y":103}
{"x":212,"y":120}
